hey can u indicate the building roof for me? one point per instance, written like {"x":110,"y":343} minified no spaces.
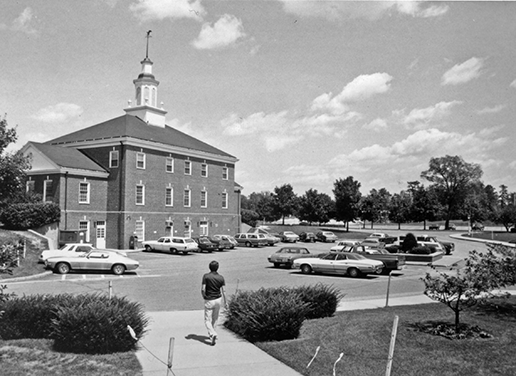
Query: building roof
{"x":67,"y":157}
{"x":133,"y":127}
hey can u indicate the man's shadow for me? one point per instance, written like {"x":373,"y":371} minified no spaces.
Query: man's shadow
{"x":203,"y":339}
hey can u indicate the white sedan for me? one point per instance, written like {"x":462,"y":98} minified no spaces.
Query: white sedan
{"x":350,"y":264}
{"x":96,"y":260}
{"x":72,"y":250}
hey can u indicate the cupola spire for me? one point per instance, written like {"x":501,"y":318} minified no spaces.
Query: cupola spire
{"x":146,"y":93}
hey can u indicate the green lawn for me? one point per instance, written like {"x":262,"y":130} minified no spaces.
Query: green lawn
{"x":364,"y":336}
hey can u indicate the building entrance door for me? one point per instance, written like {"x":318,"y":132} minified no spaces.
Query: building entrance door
{"x":101,"y":235}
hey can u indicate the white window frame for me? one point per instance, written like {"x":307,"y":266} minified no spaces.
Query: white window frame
{"x":86,"y":230}
{"x":187,"y":198}
{"x":204,"y":170}
{"x":169,"y":165}
{"x":45,"y":190}
{"x":112,"y":159}
{"x":169,"y":195}
{"x":204,"y":197}
{"x":224,"y":200}
{"x":203,"y":228}
{"x":140,"y":161}
{"x":30,"y":185}
{"x":188,"y":167}
{"x":142,"y":194}
{"x":85,"y":200}
{"x":225,"y":173}
{"x":139,"y":229}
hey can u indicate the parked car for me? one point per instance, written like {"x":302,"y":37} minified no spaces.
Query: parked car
{"x":220,"y":242}
{"x":97,"y":260}
{"x":72,"y":249}
{"x":205,"y":244}
{"x":477,"y":227}
{"x":432,"y":246}
{"x":434,"y":226}
{"x":172,"y":244}
{"x":250,"y":240}
{"x":271,"y":239}
{"x":447,"y":247}
{"x":326,"y":236}
{"x":343,"y":263}
{"x":307,"y":237}
{"x":229,"y":238}
{"x":374,"y":243}
{"x":383,"y":237}
{"x":289,"y":237}
{"x":287,"y":255}
{"x":390,"y":261}
{"x":343,"y":244}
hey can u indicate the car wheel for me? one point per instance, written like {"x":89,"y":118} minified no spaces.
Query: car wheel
{"x":173,"y":250}
{"x":353,"y":272}
{"x":306,"y":269}
{"x":277,"y":264}
{"x":381,"y":271}
{"x":248,"y":244}
{"x":118,"y":269}
{"x":185,"y":252}
{"x":148,"y":248}
{"x":62,"y":268}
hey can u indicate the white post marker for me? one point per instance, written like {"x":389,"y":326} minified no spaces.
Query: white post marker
{"x":388,"y":289}
{"x":313,"y":358}
{"x":170,"y":355}
{"x":391,"y":347}
{"x":338,"y":360}
{"x":110,"y":289}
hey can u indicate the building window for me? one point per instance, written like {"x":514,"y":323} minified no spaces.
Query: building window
{"x":204,"y":199}
{"x":113,"y":159}
{"x":140,"y":160}
{"x":224,"y":200}
{"x":47,"y":191}
{"x":140,"y":194}
{"x":203,"y":228}
{"x":225,"y":173}
{"x":84,"y":227}
{"x":186,"y":198}
{"x":169,"y":165}
{"x":169,"y":196}
{"x":29,"y":186}
{"x":204,"y":170}
{"x":139,"y":230}
{"x":84,"y":193}
{"x":188,"y":168}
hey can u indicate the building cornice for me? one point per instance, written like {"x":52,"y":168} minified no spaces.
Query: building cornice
{"x":70,"y":171}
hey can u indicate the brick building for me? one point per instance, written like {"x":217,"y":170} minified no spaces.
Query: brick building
{"x":136,"y":176}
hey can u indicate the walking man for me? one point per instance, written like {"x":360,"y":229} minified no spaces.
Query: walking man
{"x":213,"y":293}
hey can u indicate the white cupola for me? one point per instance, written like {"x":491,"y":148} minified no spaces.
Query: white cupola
{"x":146,"y":94}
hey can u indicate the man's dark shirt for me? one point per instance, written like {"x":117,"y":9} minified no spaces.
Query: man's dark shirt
{"x":214,"y":282}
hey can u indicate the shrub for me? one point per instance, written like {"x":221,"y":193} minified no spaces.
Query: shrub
{"x":408,"y":243}
{"x":29,"y":316}
{"x":96,"y":324}
{"x":273,"y":314}
{"x":322,"y":300}
{"x":22,"y":216}
{"x":421,"y":250}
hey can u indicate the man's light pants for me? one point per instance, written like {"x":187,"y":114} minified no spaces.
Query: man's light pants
{"x":211,"y":315}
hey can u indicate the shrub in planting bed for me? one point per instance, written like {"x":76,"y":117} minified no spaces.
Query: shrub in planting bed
{"x":272,"y":314}
{"x":322,"y":300}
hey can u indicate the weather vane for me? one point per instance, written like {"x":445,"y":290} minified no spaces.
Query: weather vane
{"x":147,"y":50}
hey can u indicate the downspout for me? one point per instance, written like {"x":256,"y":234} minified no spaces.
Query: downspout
{"x":121,"y":194}
{"x":66,"y":202}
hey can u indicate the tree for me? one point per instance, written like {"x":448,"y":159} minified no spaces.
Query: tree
{"x":399,"y":209}
{"x":250,"y":217}
{"x":315,"y":207}
{"x":263,"y":204}
{"x":483,"y":274}
{"x":285,"y":201}
{"x":425,"y":206}
{"x":375,"y":206}
{"x":347,"y":200}
{"x":452,"y":177}
{"x":507,"y":216}
{"x":12,"y":165}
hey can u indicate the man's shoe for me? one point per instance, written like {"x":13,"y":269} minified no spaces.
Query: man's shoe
{"x":213,"y":340}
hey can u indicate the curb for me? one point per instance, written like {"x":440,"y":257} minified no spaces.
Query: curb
{"x":25,"y":278}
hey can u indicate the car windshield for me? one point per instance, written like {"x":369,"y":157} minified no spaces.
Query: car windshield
{"x":189,"y":240}
{"x":289,"y":233}
{"x":328,"y":233}
{"x":64,"y":247}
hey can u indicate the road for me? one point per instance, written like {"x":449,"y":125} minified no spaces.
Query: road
{"x":166,"y":282}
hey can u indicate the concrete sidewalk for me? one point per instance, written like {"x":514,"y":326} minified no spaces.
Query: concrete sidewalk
{"x":193,"y":354}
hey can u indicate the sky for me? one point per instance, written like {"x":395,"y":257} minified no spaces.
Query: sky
{"x":301,"y":92}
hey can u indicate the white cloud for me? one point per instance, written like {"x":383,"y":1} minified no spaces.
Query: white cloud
{"x":513,"y":84}
{"x":226,"y":31}
{"x":59,"y":113}
{"x":422,"y":116}
{"x":24,"y":23}
{"x":462,"y":73}
{"x":371,"y":10}
{"x":491,"y":110}
{"x":148,"y":10}
{"x":376,"y":125}
{"x":361,"y":88}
